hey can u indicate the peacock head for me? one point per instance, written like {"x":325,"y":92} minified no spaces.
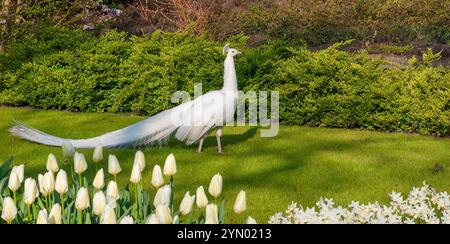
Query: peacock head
{"x":230,"y":51}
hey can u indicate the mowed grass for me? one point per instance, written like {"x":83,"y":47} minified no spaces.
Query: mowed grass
{"x":301,"y":164}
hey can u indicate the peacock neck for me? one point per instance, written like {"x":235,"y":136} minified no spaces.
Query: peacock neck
{"x":230,"y":78}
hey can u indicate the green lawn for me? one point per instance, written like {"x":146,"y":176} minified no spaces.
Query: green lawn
{"x":300,"y":164}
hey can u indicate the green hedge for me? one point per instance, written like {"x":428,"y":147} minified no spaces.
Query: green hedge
{"x":139,"y":74}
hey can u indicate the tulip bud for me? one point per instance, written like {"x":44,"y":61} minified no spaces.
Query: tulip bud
{"x":48,"y":183}
{"x":164,"y":215}
{"x":176,"y":220}
{"x":162,"y":196}
{"x":98,"y":203}
{"x":170,"y":166}
{"x":186,"y":204}
{"x":240,"y":205}
{"x":61,"y":184}
{"x":42,"y":218}
{"x":9,"y":210}
{"x":153,"y":219}
{"x":251,"y":221}
{"x":157,"y":178}
{"x":111,"y":202}
{"x":13,"y":182}
{"x":212,"y":216}
{"x":215,"y":187}
{"x":80,"y":163}
{"x":108,"y":216}
{"x":135,"y":174}
{"x":31,"y":191}
{"x":139,"y":158}
{"x":98,"y":154}
{"x":41,"y":182}
{"x":113,"y":165}
{"x":55,"y":215}
{"x":19,"y":171}
{"x":67,"y":149}
{"x":202,"y":200}
{"x":99,"y":180}
{"x":127,"y":220}
{"x":112,"y":190}
{"x":82,"y":200}
{"x":52,"y":163}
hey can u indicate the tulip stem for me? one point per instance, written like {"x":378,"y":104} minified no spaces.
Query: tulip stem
{"x":15,"y":197}
{"x":171,"y":194}
{"x":62,"y":204}
{"x":136,"y":200}
{"x":79,"y":178}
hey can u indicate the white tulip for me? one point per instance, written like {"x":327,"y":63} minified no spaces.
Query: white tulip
{"x":98,"y":154}
{"x":176,"y":220}
{"x":135,"y":174}
{"x":9,"y":210}
{"x":20,"y":171}
{"x":41,"y":182}
{"x":111,"y":202}
{"x":31,"y":191}
{"x":215,"y":187}
{"x":212,"y":216}
{"x":112,"y":190}
{"x":164,"y":215}
{"x":162,"y":196}
{"x":61,"y":184}
{"x":202,"y":200}
{"x":113,"y":165}
{"x":52,"y":163}
{"x":153,"y":219}
{"x":186,"y":204}
{"x":48,"y":183}
{"x":42,"y":218}
{"x":170,"y":166}
{"x":99,"y":180}
{"x":80,"y":164}
{"x":82,"y":200}
{"x":108,"y":216}
{"x":55,"y":215}
{"x":67,"y":149}
{"x":139,"y":158}
{"x":13,"y":182}
{"x":240,"y":205}
{"x":251,"y":221}
{"x":157,"y":177}
{"x":127,"y":220}
{"x":98,"y":203}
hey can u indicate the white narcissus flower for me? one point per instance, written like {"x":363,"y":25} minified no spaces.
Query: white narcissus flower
{"x":112,"y":190}
{"x":202,"y":200}
{"x":251,"y":221}
{"x":98,"y":154}
{"x":61,"y":184}
{"x":186,"y":204}
{"x":108,"y":216}
{"x":135,"y":177}
{"x":31,"y":191}
{"x":99,"y":180}
{"x":98,"y":203}
{"x":127,"y":220}
{"x":139,"y":158}
{"x":153,"y":219}
{"x":170,"y":166}
{"x":162,"y":196}
{"x":82,"y":200}
{"x":20,"y":171}
{"x":48,"y":183}
{"x":212,"y":216}
{"x":157,"y":177}
{"x":52,"y":163}
{"x":240,"y":205}
{"x":215,"y":187}
{"x":164,"y":215}
{"x":42,"y":218}
{"x":67,"y":149}
{"x":55,"y":215}
{"x":9,"y":210}
{"x":113,"y":165}
{"x":80,"y":164}
{"x":13,"y":181}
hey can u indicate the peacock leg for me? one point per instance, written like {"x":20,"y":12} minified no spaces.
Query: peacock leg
{"x":219,"y":144}
{"x":200,"y":146}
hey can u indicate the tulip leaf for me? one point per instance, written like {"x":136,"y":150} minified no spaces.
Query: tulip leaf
{"x":222,"y":212}
{"x":6,"y":166}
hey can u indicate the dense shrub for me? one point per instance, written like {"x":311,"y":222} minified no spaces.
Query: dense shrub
{"x":139,"y":74}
